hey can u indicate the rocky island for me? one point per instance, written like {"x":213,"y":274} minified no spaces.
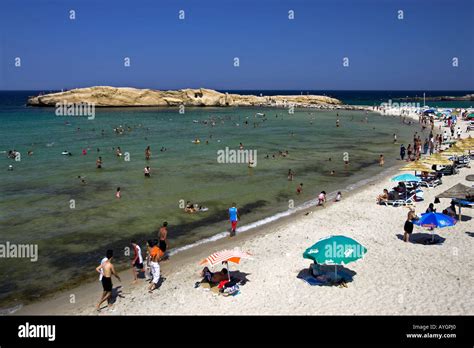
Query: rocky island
{"x":105,"y":96}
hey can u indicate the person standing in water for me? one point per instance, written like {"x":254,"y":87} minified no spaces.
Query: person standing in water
{"x":147,"y":172}
{"x":299,"y":189}
{"x":291,"y":175}
{"x":234,"y":218}
{"x":118,"y":194}
{"x":337,"y":123}
{"x":402,"y":152}
{"x":147,"y":153}
{"x":106,"y":269}
{"x":381,"y":161}
{"x":394,"y":138}
{"x":98,"y":163}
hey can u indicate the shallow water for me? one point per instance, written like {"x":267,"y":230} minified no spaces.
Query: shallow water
{"x":35,"y":200}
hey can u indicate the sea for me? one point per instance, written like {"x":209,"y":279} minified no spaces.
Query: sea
{"x":67,"y":208}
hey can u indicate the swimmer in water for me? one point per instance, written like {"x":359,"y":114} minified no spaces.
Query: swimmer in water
{"x":118,"y":152}
{"x":241,"y":146}
{"x":83,"y":181}
{"x":148,"y":153}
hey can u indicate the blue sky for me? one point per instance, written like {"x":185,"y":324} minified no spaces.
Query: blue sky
{"x":384,"y":53}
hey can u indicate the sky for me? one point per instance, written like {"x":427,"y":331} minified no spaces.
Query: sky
{"x":383,"y":50}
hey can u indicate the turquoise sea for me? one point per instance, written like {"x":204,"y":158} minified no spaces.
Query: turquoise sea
{"x":35,"y":201}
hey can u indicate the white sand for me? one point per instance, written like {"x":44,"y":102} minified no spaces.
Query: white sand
{"x":393,"y":278}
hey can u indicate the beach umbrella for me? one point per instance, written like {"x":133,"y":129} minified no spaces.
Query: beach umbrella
{"x":417,"y":166}
{"x":437,"y":159}
{"x":435,"y":220}
{"x":453,"y":150}
{"x":438,"y":220}
{"x":226,"y":256}
{"x":459,"y":192}
{"x":335,"y":250}
{"x":406,"y":178}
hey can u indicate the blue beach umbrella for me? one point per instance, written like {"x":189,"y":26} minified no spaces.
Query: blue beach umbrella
{"x":406,"y":177}
{"x":438,"y":220}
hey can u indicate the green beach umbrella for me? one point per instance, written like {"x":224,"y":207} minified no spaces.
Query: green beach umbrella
{"x":335,"y":250}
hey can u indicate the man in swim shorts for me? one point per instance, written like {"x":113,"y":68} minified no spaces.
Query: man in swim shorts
{"x":106,"y":269}
{"x":162,"y":236}
{"x":234,"y":218}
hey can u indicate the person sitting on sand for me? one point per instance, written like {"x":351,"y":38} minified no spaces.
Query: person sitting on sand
{"x":214,"y":278}
{"x":431,"y":208}
{"x":383,"y":198}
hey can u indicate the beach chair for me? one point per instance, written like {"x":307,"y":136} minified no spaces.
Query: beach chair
{"x":401,"y":201}
{"x":430,"y":182}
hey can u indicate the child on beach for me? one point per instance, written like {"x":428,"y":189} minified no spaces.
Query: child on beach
{"x":322,"y":198}
{"x":299,"y":189}
{"x":118,"y":194}
{"x":234,"y":218}
{"x":338,"y":197}
{"x":137,"y":262}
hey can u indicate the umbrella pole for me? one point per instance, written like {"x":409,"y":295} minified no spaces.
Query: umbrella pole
{"x":228,"y":271}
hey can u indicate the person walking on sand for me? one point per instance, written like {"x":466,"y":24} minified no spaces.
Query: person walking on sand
{"x":234,"y":218}
{"x":107,"y":270}
{"x":137,"y":262}
{"x":156,"y":255}
{"x":381,"y":161}
{"x":163,"y":236}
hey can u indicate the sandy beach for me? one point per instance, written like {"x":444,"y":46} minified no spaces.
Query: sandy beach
{"x":394,"y":277}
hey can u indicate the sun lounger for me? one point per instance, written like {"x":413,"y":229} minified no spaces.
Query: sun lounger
{"x":430,"y":182}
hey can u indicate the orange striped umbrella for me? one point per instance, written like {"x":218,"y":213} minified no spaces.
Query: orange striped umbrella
{"x":226,"y":256}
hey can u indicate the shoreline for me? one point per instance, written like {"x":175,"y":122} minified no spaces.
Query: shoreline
{"x":191,"y":254}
